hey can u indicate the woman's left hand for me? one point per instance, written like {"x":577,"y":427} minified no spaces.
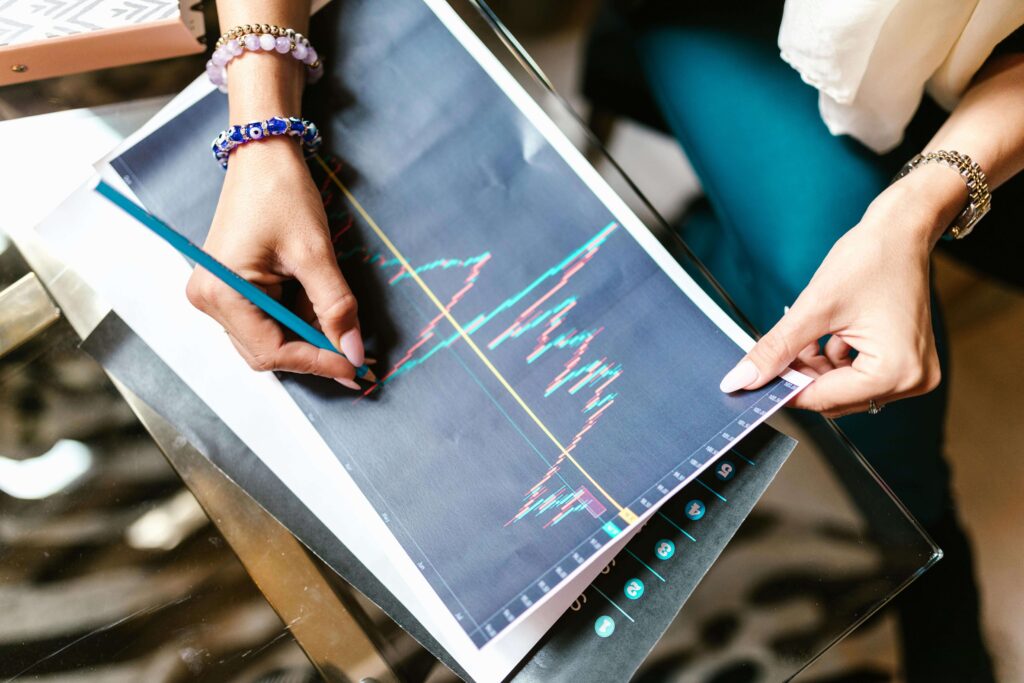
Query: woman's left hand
{"x":870,"y":294}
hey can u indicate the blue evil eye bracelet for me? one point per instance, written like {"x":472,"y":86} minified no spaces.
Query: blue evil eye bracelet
{"x":236,"y":136}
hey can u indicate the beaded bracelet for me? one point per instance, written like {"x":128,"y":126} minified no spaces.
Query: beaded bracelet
{"x":266,"y":38}
{"x":236,"y":136}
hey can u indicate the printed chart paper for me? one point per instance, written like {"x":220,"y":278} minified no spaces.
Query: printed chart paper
{"x":545,"y":381}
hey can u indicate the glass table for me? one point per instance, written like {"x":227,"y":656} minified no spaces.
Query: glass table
{"x":145,"y":564}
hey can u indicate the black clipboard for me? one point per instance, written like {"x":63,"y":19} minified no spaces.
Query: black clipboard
{"x":611,"y":628}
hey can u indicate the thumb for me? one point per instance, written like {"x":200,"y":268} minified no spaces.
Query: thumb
{"x":334,"y":305}
{"x":774,"y":352}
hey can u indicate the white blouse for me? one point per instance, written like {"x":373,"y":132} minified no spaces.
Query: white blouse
{"x":872,"y":60}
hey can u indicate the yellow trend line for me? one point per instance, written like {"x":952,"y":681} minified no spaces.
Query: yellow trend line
{"x":627,"y":515}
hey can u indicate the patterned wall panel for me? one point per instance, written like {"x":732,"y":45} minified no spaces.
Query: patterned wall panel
{"x":23,"y":21}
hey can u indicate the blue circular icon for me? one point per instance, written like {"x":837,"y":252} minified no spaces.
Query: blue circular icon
{"x":725,"y":470}
{"x":604,"y":626}
{"x":664,"y":549}
{"x":695,"y":509}
{"x":634,"y":589}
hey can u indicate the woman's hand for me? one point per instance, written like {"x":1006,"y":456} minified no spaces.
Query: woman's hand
{"x":871,"y":291}
{"x":270,"y":227}
{"x":871,"y":294}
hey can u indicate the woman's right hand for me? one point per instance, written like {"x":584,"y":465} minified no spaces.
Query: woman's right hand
{"x":270,"y":227}
{"x":870,"y":295}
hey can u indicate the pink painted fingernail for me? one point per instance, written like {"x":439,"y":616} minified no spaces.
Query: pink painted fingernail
{"x":352,"y":346}
{"x":744,"y":374}
{"x":350,"y":383}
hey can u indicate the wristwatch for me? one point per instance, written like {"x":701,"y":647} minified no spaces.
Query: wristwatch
{"x":979,"y":201}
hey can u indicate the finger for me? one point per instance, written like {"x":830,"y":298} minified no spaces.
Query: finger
{"x":248,"y":356}
{"x":798,"y":328}
{"x":850,"y":410}
{"x":303,"y":308}
{"x":242,"y":351}
{"x":251,"y":330}
{"x":805,"y":369}
{"x":811,"y":361}
{"x":304,"y":358}
{"x":838,"y":351}
{"x":809,"y":352}
{"x":263,"y":346}
{"x":334,"y":305}
{"x":841,"y":391}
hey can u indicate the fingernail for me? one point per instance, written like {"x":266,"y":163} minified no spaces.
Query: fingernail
{"x":352,"y":346}
{"x":346,"y":382}
{"x":740,"y":376}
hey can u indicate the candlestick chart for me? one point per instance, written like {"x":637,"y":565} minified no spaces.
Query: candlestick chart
{"x":534,"y":325}
{"x":542,"y":312}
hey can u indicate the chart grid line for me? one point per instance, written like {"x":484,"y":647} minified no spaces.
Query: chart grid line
{"x":614,"y":604}
{"x":716,"y":493}
{"x":649,"y":568}
{"x":684,"y":532}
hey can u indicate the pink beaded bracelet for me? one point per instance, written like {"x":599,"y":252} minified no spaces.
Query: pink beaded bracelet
{"x":265,"y":38}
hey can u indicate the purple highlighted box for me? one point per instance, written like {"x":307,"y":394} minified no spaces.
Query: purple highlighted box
{"x":594,"y":506}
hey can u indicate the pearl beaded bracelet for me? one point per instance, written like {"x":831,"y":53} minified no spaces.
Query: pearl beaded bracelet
{"x":265,"y":38}
{"x":236,"y":136}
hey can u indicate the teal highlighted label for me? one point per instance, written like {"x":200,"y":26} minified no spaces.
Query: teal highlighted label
{"x":611,"y":529}
{"x":695,"y":510}
{"x":664,"y":549}
{"x":634,"y":589}
{"x":604,"y":626}
{"x":725,"y":470}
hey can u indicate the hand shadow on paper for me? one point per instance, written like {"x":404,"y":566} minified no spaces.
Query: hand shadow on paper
{"x":356,"y":257}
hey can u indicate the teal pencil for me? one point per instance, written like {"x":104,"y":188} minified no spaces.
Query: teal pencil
{"x":257,"y":296}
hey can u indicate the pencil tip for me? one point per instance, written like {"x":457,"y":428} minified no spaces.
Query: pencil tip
{"x":369,"y":376}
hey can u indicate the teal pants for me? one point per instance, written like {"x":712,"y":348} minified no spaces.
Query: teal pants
{"x":781,"y":190}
